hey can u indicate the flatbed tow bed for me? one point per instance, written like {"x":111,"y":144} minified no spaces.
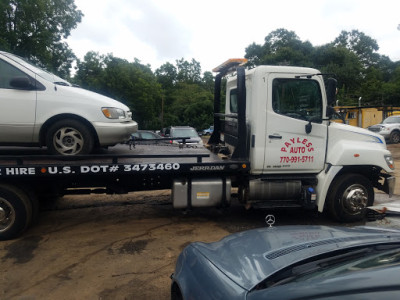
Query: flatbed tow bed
{"x":29,"y":176}
{"x":119,"y":169}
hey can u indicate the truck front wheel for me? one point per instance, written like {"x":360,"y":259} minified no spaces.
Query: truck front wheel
{"x":349,"y":196}
{"x":15,"y":211}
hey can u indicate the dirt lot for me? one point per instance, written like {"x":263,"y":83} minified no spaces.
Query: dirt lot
{"x":119,"y":247}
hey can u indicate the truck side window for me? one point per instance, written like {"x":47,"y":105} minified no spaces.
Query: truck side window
{"x":297,"y":98}
{"x":233,"y":100}
{"x":7,"y":72}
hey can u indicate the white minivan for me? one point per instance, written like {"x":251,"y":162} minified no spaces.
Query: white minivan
{"x":38,"y":108}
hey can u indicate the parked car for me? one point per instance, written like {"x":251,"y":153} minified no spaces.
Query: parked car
{"x":292,"y":262}
{"x":146,"y":137}
{"x":389,"y":129}
{"x":208,"y":131}
{"x":190,"y":133}
{"x":38,"y":108}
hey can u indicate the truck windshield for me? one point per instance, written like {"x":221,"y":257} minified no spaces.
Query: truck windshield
{"x":297,"y":98}
{"x":40,"y":72}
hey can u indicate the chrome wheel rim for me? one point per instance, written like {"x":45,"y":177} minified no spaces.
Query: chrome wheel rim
{"x":355,"y":199}
{"x":68,"y":141}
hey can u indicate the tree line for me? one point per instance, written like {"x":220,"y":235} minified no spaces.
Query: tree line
{"x":178,"y":93}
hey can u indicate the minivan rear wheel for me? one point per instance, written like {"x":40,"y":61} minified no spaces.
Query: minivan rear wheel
{"x":69,"y":137}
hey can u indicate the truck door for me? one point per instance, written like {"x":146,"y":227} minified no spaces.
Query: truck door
{"x":295,"y":133}
{"x":17,"y":107}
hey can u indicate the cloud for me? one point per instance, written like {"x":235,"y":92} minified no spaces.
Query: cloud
{"x":211,"y":31}
{"x":130,"y":29}
{"x":162,"y":32}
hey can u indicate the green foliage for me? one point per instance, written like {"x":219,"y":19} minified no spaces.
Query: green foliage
{"x":352,"y":57}
{"x":281,"y":47}
{"x":391,"y":89}
{"x":129,"y":82}
{"x":192,"y":105}
{"x":346,"y":67}
{"x":189,"y":72}
{"x":187,"y":96}
{"x":362,"y":45}
{"x":36,"y":29}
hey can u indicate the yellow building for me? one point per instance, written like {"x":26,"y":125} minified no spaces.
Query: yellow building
{"x":363,"y":116}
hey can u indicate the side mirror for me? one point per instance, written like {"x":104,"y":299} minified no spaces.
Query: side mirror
{"x":22,"y":83}
{"x":331,"y":87}
{"x":330,"y":111}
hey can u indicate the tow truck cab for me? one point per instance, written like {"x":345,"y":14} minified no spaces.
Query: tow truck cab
{"x":278,"y":118}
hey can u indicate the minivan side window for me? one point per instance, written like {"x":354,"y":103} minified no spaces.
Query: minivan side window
{"x":8,"y":72}
{"x":297,"y":98}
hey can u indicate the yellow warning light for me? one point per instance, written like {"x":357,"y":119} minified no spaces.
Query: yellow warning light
{"x":244,"y":166}
{"x":230,"y":64}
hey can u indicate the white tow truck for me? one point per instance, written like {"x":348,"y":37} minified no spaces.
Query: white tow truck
{"x":274,"y":143}
{"x":278,"y":118}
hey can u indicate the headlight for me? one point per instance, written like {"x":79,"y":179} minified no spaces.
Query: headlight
{"x":113,"y":113}
{"x":389,"y":161}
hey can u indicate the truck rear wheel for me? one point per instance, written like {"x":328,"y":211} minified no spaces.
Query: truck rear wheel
{"x":69,"y":137}
{"x":15,"y":211}
{"x":349,"y":196}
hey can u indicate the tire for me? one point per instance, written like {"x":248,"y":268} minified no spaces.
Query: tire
{"x":15,"y":211}
{"x":349,"y":196}
{"x":69,"y":137}
{"x":395,"y":137}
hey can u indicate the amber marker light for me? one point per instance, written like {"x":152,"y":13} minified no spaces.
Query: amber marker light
{"x":244,"y":166}
{"x":389,"y":161}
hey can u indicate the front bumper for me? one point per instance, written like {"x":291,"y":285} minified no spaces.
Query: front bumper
{"x":389,"y":185}
{"x":385,"y":134}
{"x":114,"y":133}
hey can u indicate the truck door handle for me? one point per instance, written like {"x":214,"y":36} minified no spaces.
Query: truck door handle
{"x":275,"y":136}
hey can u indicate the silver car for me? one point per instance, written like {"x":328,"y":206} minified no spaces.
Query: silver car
{"x":389,"y":129}
{"x":38,"y":108}
{"x":188,"y":134}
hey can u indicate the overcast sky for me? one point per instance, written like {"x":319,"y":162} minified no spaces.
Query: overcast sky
{"x":211,"y":31}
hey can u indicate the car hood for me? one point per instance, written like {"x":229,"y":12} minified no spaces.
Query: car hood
{"x":376,"y":126}
{"x":249,"y":257}
{"x":380,"y":125}
{"x":70,"y":91}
